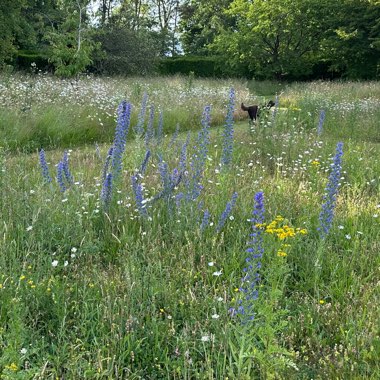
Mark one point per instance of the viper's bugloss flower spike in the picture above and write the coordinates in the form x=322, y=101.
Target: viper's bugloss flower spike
x=329, y=199
x=121, y=132
x=322, y=116
x=106, y=193
x=226, y=213
x=251, y=274
x=60, y=179
x=228, y=133
x=44, y=167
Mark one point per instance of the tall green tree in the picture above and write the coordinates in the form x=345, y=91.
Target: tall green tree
x=201, y=22
x=277, y=38
x=352, y=45
x=71, y=42
x=10, y=12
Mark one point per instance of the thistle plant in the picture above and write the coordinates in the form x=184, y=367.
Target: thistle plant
x=329, y=199
x=228, y=133
x=44, y=167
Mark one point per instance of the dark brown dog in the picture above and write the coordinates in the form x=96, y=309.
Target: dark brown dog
x=254, y=111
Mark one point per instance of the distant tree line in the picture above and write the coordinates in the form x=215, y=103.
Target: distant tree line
x=282, y=39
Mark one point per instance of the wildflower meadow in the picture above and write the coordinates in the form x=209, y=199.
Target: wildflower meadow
x=149, y=230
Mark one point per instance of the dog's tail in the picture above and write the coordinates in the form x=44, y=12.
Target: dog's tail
x=243, y=107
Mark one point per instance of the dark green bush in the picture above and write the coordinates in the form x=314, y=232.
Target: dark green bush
x=200, y=66
x=24, y=60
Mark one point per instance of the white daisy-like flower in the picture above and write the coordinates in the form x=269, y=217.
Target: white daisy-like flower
x=215, y=316
x=29, y=228
x=205, y=338
x=54, y=263
x=217, y=273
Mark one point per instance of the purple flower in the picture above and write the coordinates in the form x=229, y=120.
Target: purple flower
x=327, y=214
x=226, y=213
x=228, y=133
x=44, y=167
x=122, y=127
x=106, y=193
x=251, y=275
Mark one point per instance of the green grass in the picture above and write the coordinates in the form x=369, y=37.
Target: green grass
x=94, y=293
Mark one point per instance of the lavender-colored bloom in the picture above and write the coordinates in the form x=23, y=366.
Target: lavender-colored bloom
x=149, y=134
x=178, y=199
x=251, y=278
x=205, y=220
x=145, y=162
x=44, y=167
x=122, y=127
x=199, y=158
x=107, y=163
x=321, y=121
x=327, y=214
x=139, y=198
x=228, y=133
x=60, y=179
x=66, y=169
x=174, y=137
x=226, y=213
x=160, y=129
x=139, y=128
x=106, y=193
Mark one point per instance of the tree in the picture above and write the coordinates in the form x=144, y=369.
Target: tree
x=10, y=12
x=352, y=45
x=71, y=43
x=274, y=38
x=201, y=22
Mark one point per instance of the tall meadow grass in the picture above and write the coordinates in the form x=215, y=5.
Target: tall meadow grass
x=178, y=263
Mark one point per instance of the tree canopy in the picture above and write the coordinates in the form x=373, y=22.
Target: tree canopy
x=283, y=39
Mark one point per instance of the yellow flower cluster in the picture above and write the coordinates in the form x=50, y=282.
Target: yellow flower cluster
x=281, y=231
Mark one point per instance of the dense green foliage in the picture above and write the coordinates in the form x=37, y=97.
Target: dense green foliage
x=90, y=290
x=281, y=39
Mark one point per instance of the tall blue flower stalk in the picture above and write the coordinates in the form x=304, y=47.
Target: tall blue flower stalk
x=107, y=163
x=106, y=193
x=60, y=177
x=44, y=167
x=228, y=133
x=199, y=158
x=139, y=197
x=121, y=132
x=145, y=162
x=251, y=275
x=329, y=199
x=149, y=134
x=160, y=128
x=139, y=128
x=322, y=116
x=227, y=212
x=205, y=220
x=66, y=169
